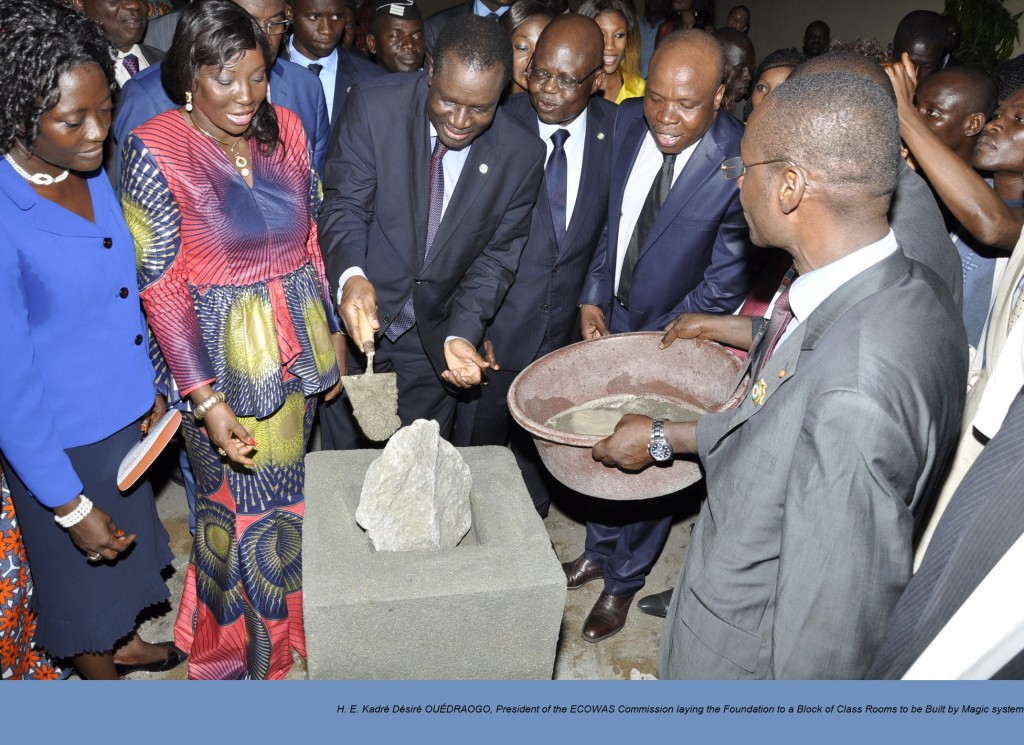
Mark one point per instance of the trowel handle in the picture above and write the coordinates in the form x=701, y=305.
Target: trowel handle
x=366, y=333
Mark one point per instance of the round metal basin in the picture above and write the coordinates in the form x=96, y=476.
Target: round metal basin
x=697, y=373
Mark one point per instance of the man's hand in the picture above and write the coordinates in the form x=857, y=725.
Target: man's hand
x=626, y=448
x=736, y=331
x=465, y=365
x=489, y=355
x=358, y=293
x=592, y=324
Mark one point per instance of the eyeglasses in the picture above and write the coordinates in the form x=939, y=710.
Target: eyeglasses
x=565, y=82
x=733, y=168
x=275, y=28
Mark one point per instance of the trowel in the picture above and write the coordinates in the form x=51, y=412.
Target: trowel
x=374, y=397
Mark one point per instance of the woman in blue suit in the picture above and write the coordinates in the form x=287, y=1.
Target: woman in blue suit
x=76, y=382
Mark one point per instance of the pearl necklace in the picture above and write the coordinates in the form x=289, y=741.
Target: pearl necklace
x=39, y=179
x=241, y=163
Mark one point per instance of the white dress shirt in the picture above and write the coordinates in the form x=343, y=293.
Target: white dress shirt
x=121, y=72
x=573, y=148
x=645, y=169
x=328, y=75
x=812, y=289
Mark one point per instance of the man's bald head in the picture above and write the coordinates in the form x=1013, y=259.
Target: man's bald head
x=841, y=128
x=922, y=35
x=739, y=61
x=567, y=67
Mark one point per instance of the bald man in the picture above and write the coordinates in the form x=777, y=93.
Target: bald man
x=660, y=256
x=923, y=36
x=817, y=478
x=739, y=67
x=540, y=314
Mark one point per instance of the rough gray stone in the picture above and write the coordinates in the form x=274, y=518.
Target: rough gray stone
x=416, y=494
x=491, y=608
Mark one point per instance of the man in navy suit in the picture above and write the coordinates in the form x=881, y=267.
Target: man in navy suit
x=540, y=312
x=315, y=44
x=428, y=194
x=675, y=241
x=292, y=87
x=491, y=9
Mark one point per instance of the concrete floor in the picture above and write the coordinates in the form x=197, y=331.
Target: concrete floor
x=635, y=647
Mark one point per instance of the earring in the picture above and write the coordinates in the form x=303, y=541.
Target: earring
x=188, y=101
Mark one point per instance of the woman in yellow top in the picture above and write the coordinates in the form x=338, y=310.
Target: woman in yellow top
x=621, y=60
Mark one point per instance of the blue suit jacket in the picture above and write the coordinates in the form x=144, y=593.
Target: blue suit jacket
x=291, y=86
x=76, y=364
x=540, y=312
x=697, y=257
x=376, y=204
x=353, y=69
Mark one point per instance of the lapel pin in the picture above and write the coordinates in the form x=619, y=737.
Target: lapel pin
x=759, y=391
x=782, y=374
x=483, y=168
x=600, y=135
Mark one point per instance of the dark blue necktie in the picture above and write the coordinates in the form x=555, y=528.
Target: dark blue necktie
x=407, y=315
x=555, y=177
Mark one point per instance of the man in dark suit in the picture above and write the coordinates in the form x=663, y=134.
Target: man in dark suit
x=675, y=241
x=125, y=22
x=983, y=521
x=540, y=312
x=492, y=9
x=290, y=86
x=428, y=194
x=819, y=473
x=315, y=44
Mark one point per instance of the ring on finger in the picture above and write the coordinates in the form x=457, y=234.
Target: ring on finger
x=94, y=557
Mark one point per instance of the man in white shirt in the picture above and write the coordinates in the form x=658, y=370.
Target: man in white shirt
x=125, y=22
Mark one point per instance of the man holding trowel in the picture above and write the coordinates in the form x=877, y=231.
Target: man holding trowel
x=427, y=202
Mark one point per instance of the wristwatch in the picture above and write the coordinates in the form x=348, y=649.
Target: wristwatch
x=658, y=447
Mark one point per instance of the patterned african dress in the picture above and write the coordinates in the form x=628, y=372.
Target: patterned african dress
x=233, y=284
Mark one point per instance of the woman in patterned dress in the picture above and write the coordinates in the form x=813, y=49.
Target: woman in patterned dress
x=221, y=200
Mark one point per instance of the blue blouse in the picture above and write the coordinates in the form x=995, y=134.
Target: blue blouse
x=75, y=366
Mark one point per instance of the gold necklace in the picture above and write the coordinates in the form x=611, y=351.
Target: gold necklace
x=241, y=163
x=39, y=179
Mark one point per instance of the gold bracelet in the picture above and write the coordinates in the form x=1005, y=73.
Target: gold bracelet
x=203, y=409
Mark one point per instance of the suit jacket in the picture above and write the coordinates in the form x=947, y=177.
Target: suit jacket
x=984, y=520
x=111, y=148
x=291, y=86
x=376, y=204
x=433, y=25
x=540, y=312
x=353, y=69
x=804, y=543
x=160, y=30
x=697, y=257
x=916, y=220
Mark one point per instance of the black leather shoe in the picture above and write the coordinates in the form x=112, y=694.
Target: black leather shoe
x=607, y=617
x=581, y=571
x=174, y=658
x=656, y=604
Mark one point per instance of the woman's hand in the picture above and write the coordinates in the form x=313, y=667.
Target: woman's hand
x=158, y=410
x=227, y=434
x=96, y=535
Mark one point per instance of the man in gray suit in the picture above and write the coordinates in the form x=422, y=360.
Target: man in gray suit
x=817, y=476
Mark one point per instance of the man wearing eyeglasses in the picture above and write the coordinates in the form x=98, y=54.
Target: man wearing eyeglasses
x=675, y=241
x=291, y=86
x=819, y=474
x=540, y=312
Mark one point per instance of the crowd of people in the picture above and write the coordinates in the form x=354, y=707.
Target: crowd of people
x=199, y=212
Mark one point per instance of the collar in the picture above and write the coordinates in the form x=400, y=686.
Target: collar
x=577, y=128
x=136, y=50
x=479, y=9
x=812, y=289
x=330, y=62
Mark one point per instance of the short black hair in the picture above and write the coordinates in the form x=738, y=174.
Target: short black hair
x=841, y=126
x=977, y=87
x=42, y=40
x=850, y=62
x=216, y=32
x=478, y=43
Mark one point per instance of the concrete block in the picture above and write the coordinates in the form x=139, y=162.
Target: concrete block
x=490, y=608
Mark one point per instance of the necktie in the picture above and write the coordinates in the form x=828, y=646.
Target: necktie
x=652, y=206
x=772, y=274
x=316, y=67
x=407, y=315
x=555, y=176
x=780, y=319
x=131, y=64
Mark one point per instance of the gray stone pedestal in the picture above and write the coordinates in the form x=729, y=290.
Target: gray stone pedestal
x=488, y=609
